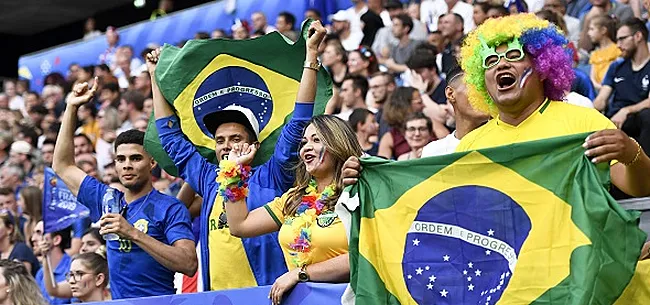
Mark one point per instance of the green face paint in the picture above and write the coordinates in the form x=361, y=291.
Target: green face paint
x=490, y=57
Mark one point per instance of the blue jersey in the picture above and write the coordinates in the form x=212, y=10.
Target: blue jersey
x=270, y=180
x=629, y=86
x=59, y=276
x=133, y=272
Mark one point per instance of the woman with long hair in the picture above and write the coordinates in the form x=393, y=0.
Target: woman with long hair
x=88, y=277
x=12, y=246
x=17, y=286
x=311, y=235
x=403, y=101
x=30, y=200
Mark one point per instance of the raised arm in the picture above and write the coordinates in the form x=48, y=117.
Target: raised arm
x=63, y=160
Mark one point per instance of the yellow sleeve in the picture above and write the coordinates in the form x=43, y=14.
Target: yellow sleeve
x=276, y=208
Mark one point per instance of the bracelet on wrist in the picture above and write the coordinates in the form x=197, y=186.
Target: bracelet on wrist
x=636, y=156
x=233, y=180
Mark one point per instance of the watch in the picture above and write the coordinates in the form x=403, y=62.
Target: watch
x=314, y=65
x=302, y=274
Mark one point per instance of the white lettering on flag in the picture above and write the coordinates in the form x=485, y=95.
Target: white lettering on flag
x=232, y=89
x=468, y=236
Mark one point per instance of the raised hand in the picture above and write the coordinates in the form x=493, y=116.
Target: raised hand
x=81, y=94
x=152, y=61
x=316, y=34
x=243, y=153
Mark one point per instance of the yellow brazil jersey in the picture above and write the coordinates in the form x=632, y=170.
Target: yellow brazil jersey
x=235, y=270
x=328, y=238
x=551, y=119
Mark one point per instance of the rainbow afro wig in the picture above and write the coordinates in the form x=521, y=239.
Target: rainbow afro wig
x=541, y=40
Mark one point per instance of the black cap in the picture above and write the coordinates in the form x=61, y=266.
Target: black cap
x=393, y=4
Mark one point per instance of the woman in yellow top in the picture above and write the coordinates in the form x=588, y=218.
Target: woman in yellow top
x=311, y=235
x=602, y=32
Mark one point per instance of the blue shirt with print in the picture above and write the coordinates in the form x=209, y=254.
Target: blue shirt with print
x=133, y=272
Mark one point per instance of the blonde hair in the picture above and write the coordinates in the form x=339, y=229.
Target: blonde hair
x=341, y=143
x=96, y=262
x=22, y=287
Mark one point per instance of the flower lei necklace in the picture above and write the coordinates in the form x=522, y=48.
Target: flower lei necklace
x=310, y=208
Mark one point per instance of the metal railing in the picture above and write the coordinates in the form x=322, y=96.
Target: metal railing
x=642, y=205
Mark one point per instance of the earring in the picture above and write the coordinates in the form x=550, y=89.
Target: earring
x=8, y=290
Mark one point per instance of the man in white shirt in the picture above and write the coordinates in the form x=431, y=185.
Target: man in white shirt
x=431, y=10
x=260, y=23
x=384, y=37
x=341, y=26
x=467, y=119
x=354, y=15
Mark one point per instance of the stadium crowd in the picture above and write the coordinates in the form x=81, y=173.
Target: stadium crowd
x=397, y=83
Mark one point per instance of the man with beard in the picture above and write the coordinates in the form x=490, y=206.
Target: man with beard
x=628, y=80
x=156, y=238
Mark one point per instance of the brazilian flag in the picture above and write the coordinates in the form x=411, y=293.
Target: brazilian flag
x=262, y=74
x=528, y=223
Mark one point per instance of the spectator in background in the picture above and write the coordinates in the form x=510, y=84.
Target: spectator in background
x=91, y=241
x=110, y=95
x=17, y=286
x=88, y=277
x=353, y=94
x=480, y=10
x=130, y=109
x=425, y=77
x=112, y=40
x=36, y=115
x=6, y=139
x=102, y=71
x=628, y=80
x=73, y=69
x=404, y=101
x=334, y=59
x=363, y=123
x=90, y=31
x=341, y=27
x=200, y=35
x=386, y=39
x=451, y=27
x=16, y=101
x=143, y=84
x=218, y=33
x=4, y=101
x=572, y=23
x=602, y=33
x=11, y=176
x=418, y=131
x=314, y=14
x=466, y=118
x=12, y=246
x=52, y=245
x=32, y=99
x=260, y=24
x=53, y=99
x=285, y=23
x=622, y=12
x=47, y=149
x=147, y=106
x=9, y=203
x=90, y=127
x=496, y=11
x=395, y=58
x=381, y=86
x=432, y=10
x=362, y=62
x=240, y=30
x=30, y=201
x=82, y=145
x=21, y=155
x=108, y=124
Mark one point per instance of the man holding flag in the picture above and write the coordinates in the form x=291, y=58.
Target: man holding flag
x=155, y=237
x=227, y=261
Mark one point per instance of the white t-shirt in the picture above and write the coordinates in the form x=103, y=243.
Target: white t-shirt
x=355, y=19
x=578, y=100
x=352, y=42
x=444, y=146
x=431, y=10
